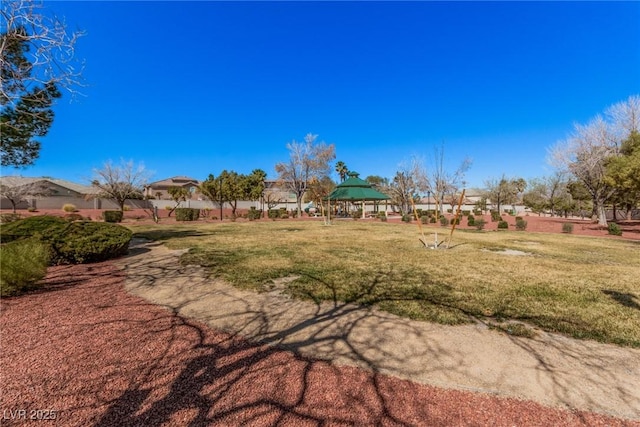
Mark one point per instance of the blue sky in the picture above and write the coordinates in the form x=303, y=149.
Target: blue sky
x=191, y=88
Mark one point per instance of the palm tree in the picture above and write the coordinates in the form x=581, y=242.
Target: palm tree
x=342, y=170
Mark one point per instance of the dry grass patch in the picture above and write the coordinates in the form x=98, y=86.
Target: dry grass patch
x=581, y=286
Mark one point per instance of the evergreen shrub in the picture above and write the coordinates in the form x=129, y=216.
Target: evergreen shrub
x=112, y=216
x=614, y=229
x=521, y=224
x=187, y=214
x=254, y=213
x=480, y=223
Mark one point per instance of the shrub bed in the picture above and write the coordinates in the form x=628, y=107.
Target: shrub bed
x=85, y=242
x=187, y=214
x=71, y=242
x=503, y=225
x=112, y=216
x=567, y=228
x=254, y=214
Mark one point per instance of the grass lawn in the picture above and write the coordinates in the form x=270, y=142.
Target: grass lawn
x=584, y=287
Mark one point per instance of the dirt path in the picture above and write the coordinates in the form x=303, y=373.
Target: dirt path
x=550, y=369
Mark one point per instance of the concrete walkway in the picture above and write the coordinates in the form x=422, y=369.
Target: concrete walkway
x=550, y=369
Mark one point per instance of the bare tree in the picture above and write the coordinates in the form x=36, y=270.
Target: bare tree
x=547, y=193
x=50, y=54
x=590, y=148
x=37, y=62
x=440, y=181
x=624, y=118
x=273, y=197
x=307, y=160
x=584, y=154
x=403, y=188
x=121, y=182
x=16, y=191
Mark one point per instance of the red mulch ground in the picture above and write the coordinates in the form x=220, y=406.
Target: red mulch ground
x=630, y=229
x=96, y=355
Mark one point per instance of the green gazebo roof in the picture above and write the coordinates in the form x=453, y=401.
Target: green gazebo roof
x=354, y=189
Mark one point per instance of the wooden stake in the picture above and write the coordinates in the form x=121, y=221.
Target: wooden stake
x=455, y=218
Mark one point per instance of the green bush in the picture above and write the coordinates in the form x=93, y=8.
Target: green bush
x=406, y=218
x=518, y=218
x=187, y=214
x=444, y=221
x=22, y=265
x=495, y=216
x=112, y=216
x=424, y=219
x=71, y=242
x=254, y=214
x=521, y=224
x=284, y=215
x=456, y=220
x=31, y=209
x=466, y=212
x=85, y=242
x=471, y=221
x=480, y=223
x=567, y=227
x=614, y=229
x=503, y=225
x=6, y=218
x=432, y=220
x=273, y=213
x=44, y=226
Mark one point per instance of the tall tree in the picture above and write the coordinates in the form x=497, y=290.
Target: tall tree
x=590, y=148
x=623, y=172
x=120, y=182
x=342, y=170
x=233, y=189
x=584, y=154
x=546, y=193
x=14, y=190
x=307, y=160
x=377, y=181
x=253, y=185
x=211, y=189
x=503, y=191
x=37, y=60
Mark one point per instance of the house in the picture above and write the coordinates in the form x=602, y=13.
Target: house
x=159, y=190
x=51, y=193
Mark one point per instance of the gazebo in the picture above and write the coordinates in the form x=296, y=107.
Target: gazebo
x=354, y=189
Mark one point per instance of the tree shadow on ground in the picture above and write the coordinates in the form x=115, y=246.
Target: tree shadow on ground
x=625, y=299
x=352, y=333
x=120, y=361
